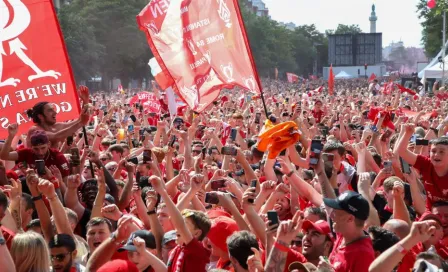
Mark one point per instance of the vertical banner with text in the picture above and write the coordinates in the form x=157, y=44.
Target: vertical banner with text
x=202, y=45
x=34, y=65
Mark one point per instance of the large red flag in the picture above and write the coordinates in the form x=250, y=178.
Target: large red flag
x=292, y=77
x=331, y=81
x=405, y=90
x=34, y=65
x=202, y=46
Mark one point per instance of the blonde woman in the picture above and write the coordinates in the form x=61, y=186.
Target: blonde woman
x=30, y=253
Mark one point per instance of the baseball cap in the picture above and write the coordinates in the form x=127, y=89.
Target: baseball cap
x=350, y=202
x=308, y=267
x=321, y=226
x=118, y=266
x=147, y=236
x=168, y=237
x=430, y=216
x=222, y=227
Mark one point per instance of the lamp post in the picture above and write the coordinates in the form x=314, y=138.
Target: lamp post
x=365, y=70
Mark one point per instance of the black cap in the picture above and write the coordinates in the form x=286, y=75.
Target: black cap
x=351, y=202
x=62, y=240
x=147, y=236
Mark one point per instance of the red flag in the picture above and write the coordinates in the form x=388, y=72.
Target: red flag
x=202, y=46
x=405, y=90
x=292, y=77
x=431, y=4
x=164, y=81
x=331, y=81
x=34, y=65
x=149, y=101
x=372, y=77
x=388, y=87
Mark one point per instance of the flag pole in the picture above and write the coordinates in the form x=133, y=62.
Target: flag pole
x=86, y=142
x=443, y=46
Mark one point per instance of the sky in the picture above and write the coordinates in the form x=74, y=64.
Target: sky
x=397, y=19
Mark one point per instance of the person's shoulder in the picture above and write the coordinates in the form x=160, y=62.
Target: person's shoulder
x=196, y=247
x=422, y=162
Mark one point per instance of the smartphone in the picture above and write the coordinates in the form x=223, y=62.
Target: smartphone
x=421, y=142
x=131, y=128
x=76, y=158
x=386, y=135
x=204, y=150
x=133, y=160
x=211, y=198
x=316, y=149
x=147, y=156
x=273, y=217
x=40, y=167
x=392, y=116
x=233, y=134
x=133, y=118
x=413, y=138
x=137, y=179
x=325, y=132
x=388, y=166
x=216, y=184
x=405, y=167
x=257, y=118
x=228, y=150
x=172, y=141
x=69, y=140
x=253, y=184
x=135, y=143
x=25, y=164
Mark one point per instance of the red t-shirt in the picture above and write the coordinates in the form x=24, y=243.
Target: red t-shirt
x=435, y=186
x=354, y=257
x=317, y=115
x=54, y=157
x=189, y=258
x=407, y=263
x=441, y=250
x=8, y=235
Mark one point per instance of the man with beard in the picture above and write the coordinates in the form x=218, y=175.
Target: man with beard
x=317, y=241
x=44, y=118
x=62, y=254
x=40, y=150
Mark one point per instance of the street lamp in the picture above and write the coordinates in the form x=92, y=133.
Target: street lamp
x=365, y=70
x=315, y=45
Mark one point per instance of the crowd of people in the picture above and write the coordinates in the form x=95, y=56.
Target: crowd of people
x=353, y=181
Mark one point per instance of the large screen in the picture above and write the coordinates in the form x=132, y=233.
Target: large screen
x=355, y=49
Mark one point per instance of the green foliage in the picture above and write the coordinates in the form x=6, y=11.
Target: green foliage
x=121, y=51
x=432, y=23
x=348, y=29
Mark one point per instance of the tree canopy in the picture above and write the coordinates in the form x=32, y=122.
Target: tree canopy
x=432, y=23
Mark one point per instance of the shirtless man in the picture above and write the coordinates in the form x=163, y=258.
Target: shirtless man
x=44, y=118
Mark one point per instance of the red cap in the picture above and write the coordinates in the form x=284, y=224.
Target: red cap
x=12, y=175
x=321, y=226
x=428, y=216
x=118, y=266
x=222, y=228
x=215, y=213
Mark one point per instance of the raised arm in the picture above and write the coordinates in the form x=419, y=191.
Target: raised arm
x=402, y=147
x=4, y=153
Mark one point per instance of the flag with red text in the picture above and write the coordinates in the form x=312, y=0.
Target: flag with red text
x=202, y=46
x=34, y=65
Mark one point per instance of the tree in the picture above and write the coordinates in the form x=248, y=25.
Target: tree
x=83, y=49
x=348, y=29
x=432, y=23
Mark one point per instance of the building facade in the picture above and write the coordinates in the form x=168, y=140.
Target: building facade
x=258, y=7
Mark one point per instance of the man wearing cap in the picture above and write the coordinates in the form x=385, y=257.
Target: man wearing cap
x=168, y=243
x=63, y=253
x=40, y=150
x=353, y=250
x=434, y=240
x=317, y=240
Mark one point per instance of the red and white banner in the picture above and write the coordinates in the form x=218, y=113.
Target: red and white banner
x=148, y=100
x=164, y=81
x=292, y=78
x=34, y=65
x=202, y=46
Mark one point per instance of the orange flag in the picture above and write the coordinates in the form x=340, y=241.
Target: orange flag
x=331, y=81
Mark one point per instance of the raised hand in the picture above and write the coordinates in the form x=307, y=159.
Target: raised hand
x=422, y=231
x=74, y=181
x=254, y=261
x=151, y=200
x=14, y=190
x=32, y=180
x=46, y=188
x=111, y=212
x=56, y=172
x=288, y=230
x=398, y=189
x=197, y=182
x=157, y=184
x=12, y=130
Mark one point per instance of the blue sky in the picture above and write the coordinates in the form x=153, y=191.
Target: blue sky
x=397, y=19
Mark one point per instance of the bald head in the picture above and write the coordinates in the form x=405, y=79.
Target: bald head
x=398, y=226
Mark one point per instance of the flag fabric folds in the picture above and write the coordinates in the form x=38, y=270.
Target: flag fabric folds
x=202, y=46
x=331, y=81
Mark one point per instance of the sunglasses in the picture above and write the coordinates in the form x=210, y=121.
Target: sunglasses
x=296, y=243
x=59, y=257
x=196, y=151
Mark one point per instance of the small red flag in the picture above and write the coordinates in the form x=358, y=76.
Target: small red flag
x=405, y=90
x=292, y=77
x=331, y=81
x=372, y=77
